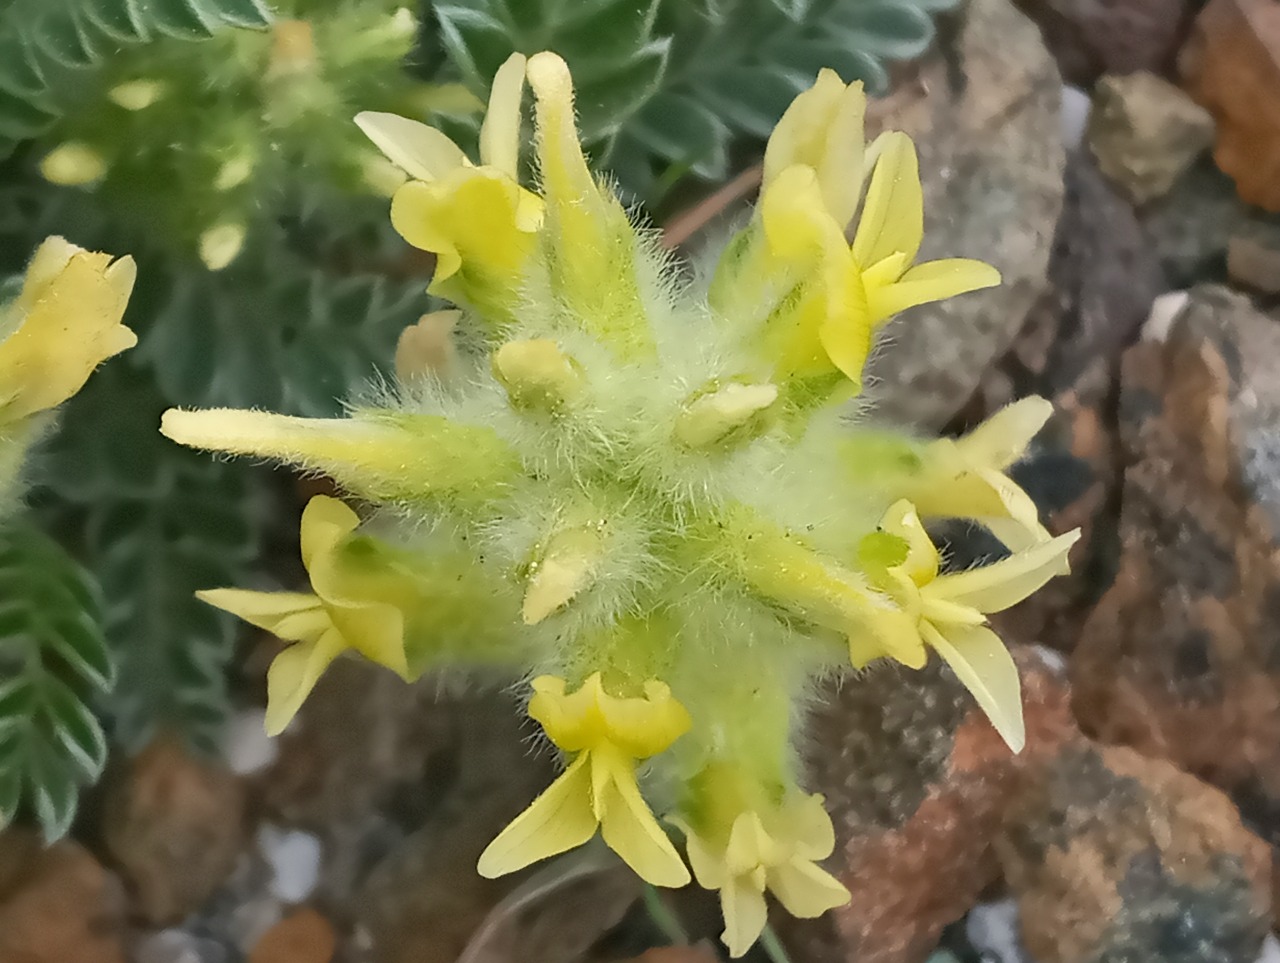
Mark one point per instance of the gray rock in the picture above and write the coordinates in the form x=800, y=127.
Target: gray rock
x=989, y=134
x=992, y=929
x=1253, y=252
x=1191, y=225
x=1145, y=132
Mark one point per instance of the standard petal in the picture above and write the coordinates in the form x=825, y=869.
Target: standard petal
x=892, y=219
x=805, y=889
x=500, y=132
x=808, y=826
x=983, y=664
x=422, y=152
x=630, y=829
x=558, y=820
x=931, y=281
x=292, y=616
x=293, y=674
x=995, y=587
x=745, y=914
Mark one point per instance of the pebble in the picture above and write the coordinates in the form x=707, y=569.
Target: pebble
x=1076, y=107
x=246, y=747
x=992, y=928
x=294, y=857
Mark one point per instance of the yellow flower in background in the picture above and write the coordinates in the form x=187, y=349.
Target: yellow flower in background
x=967, y=478
x=321, y=624
x=951, y=611
x=63, y=324
x=599, y=789
x=478, y=221
x=775, y=850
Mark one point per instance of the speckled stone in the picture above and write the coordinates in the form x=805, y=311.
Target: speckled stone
x=987, y=127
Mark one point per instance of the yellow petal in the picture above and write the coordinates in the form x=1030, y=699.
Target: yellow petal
x=750, y=846
x=294, y=673
x=745, y=914
x=590, y=717
x=806, y=890
x=892, y=219
x=421, y=151
x=500, y=132
x=995, y=587
x=823, y=129
x=1003, y=438
x=846, y=329
x=560, y=819
x=808, y=826
x=564, y=170
x=982, y=663
x=931, y=281
x=292, y=616
x=631, y=831
x=708, y=866
x=474, y=218
x=325, y=522
x=901, y=520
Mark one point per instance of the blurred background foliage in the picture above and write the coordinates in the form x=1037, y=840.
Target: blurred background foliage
x=211, y=140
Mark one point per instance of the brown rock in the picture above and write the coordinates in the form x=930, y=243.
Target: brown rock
x=1232, y=66
x=1092, y=37
x=303, y=937
x=173, y=827
x=1145, y=132
x=424, y=901
x=57, y=905
x=1181, y=657
x=1104, y=276
x=1113, y=856
x=991, y=160
x=917, y=782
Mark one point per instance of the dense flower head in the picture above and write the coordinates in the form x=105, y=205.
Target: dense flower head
x=643, y=492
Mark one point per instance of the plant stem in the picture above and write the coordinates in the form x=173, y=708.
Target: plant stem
x=772, y=946
x=663, y=918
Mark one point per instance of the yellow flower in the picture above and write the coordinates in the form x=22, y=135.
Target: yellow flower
x=599, y=788
x=478, y=221
x=951, y=611
x=63, y=324
x=775, y=850
x=826, y=297
x=321, y=625
x=966, y=477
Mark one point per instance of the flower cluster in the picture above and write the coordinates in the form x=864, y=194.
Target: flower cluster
x=642, y=493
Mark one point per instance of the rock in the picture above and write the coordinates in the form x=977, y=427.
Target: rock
x=1104, y=278
x=303, y=937
x=294, y=857
x=422, y=900
x=177, y=946
x=172, y=825
x=246, y=746
x=1091, y=37
x=57, y=905
x=1253, y=253
x=1232, y=65
x=1191, y=225
x=1113, y=856
x=991, y=159
x=1076, y=108
x=917, y=783
x=1181, y=657
x=1145, y=132
x=992, y=929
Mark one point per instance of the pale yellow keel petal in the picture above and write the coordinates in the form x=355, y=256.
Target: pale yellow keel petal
x=806, y=890
x=742, y=904
x=996, y=587
x=420, y=151
x=630, y=829
x=294, y=673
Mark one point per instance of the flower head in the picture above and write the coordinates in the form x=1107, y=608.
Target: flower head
x=478, y=221
x=599, y=789
x=951, y=610
x=774, y=847
x=322, y=624
x=63, y=324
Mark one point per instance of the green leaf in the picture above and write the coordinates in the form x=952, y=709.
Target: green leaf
x=54, y=662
